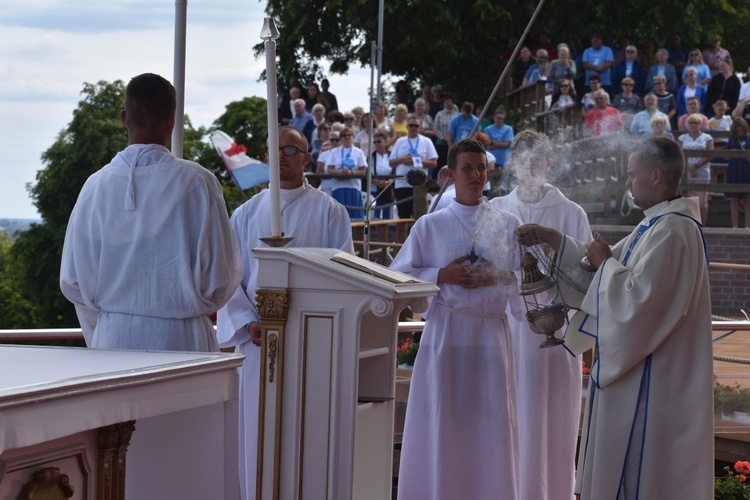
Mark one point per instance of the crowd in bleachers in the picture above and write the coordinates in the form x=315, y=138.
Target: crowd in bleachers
x=651, y=92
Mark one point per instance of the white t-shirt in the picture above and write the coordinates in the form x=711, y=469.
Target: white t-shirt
x=351, y=158
x=420, y=146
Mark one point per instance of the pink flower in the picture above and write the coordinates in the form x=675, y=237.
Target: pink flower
x=741, y=478
x=742, y=467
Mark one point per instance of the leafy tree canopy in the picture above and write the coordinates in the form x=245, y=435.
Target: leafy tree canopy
x=459, y=43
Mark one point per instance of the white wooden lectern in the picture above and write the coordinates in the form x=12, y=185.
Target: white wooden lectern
x=328, y=372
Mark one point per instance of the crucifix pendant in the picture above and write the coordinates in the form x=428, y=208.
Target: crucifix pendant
x=473, y=258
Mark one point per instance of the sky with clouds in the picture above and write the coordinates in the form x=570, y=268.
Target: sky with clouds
x=52, y=47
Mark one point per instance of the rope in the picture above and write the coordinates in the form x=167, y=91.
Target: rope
x=729, y=359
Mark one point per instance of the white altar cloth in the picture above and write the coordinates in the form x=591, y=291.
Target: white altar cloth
x=51, y=392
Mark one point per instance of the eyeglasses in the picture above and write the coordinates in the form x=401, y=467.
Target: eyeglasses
x=333, y=139
x=290, y=150
x=413, y=125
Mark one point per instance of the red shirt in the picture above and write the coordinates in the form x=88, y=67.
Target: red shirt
x=606, y=121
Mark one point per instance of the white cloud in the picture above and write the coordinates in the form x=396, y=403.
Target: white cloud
x=51, y=47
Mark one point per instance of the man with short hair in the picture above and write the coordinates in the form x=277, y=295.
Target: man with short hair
x=302, y=120
x=313, y=219
x=642, y=120
x=149, y=253
x=500, y=136
x=603, y=119
x=679, y=56
x=332, y=101
x=460, y=435
x=461, y=125
x=647, y=312
x=549, y=380
x=442, y=123
x=598, y=59
x=413, y=151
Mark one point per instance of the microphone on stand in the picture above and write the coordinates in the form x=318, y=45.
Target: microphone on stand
x=415, y=177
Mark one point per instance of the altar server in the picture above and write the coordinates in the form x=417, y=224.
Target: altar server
x=649, y=413
x=460, y=438
x=549, y=380
x=149, y=252
x=313, y=219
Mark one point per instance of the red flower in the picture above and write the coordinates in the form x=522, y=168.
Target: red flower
x=742, y=467
x=741, y=478
x=728, y=388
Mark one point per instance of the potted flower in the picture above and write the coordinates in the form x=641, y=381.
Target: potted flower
x=735, y=485
x=731, y=400
x=406, y=353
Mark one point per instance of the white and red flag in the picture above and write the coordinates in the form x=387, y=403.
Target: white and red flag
x=247, y=172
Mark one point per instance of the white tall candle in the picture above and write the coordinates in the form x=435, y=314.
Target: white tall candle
x=273, y=139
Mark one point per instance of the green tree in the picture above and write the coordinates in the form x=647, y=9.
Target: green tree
x=459, y=43
x=16, y=310
x=90, y=140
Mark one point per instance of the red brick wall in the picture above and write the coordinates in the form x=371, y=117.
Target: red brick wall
x=730, y=289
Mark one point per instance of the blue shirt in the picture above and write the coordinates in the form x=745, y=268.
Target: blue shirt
x=599, y=57
x=302, y=123
x=461, y=127
x=504, y=133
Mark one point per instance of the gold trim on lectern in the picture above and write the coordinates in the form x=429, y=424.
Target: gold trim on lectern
x=273, y=308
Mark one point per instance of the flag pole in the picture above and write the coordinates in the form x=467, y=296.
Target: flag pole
x=180, y=30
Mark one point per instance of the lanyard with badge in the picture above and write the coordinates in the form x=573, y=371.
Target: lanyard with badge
x=416, y=161
x=347, y=162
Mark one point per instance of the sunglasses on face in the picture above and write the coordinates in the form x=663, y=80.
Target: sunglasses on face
x=413, y=125
x=349, y=118
x=326, y=128
x=334, y=140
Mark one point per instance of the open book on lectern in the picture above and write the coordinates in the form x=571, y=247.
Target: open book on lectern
x=372, y=268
